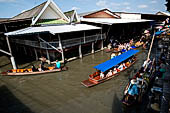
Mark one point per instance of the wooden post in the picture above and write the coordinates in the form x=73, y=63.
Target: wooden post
x=151, y=46
x=80, y=53
x=13, y=62
x=84, y=37
x=48, y=56
x=102, y=39
x=102, y=45
x=36, y=55
x=12, y=58
x=25, y=50
x=61, y=47
x=92, y=47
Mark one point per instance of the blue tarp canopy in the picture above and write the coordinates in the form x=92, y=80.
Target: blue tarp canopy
x=116, y=60
x=158, y=33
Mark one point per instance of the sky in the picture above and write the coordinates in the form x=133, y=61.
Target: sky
x=10, y=8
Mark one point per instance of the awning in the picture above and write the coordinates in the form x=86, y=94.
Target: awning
x=116, y=60
x=54, y=29
x=110, y=21
x=158, y=33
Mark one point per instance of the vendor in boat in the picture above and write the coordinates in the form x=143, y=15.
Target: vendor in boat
x=43, y=60
x=110, y=73
x=58, y=64
x=133, y=89
x=33, y=68
x=41, y=67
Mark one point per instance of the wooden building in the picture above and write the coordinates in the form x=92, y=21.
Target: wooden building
x=117, y=26
x=53, y=34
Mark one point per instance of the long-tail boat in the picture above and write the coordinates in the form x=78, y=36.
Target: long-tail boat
x=95, y=78
x=143, y=77
x=23, y=72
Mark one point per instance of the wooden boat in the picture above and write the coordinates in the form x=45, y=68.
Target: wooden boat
x=138, y=44
x=19, y=72
x=95, y=79
x=115, y=50
x=142, y=86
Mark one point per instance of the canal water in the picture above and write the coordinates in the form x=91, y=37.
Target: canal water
x=62, y=92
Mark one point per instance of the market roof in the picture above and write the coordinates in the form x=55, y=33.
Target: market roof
x=94, y=13
x=46, y=10
x=30, y=13
x=116, y=60
x=110, y=21
x=53, y=29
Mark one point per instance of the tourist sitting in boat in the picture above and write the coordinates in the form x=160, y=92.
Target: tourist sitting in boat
x=114, y=71
x=33, y=68
x=131, y=41
x=119, y=53
x=124, y=66
x=127, y=63
x=110, y=73
x=113, y=55
x=120, y=67
x=109, y=46
x=58, y=64
x=101, y=75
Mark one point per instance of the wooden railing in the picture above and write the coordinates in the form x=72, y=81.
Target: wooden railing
x=65, y=43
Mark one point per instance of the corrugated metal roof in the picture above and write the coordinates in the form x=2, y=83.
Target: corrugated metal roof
x=30, y=13
x=53, y=29
x=110, y=21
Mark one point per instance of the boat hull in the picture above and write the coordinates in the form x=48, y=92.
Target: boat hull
x=92, y=82
x=33, y=73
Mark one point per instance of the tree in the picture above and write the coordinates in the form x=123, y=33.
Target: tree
x=168, y=5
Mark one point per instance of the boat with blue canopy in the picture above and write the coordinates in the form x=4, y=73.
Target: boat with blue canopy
x=111, y=68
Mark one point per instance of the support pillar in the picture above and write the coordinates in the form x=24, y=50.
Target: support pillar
x=12, y=58
x=48, y=56
x=25, y=50
x=102, y=45
x=36, y=55
x=13, y=62
x=84, y=37
x=80, y=52
x=61, y=47
x=92, y=47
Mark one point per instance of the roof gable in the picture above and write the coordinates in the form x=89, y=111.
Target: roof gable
x=163, y=13
x=46, y=10
x=72, y=15
x=105, y=13
x=29, y=13
x=56, y=12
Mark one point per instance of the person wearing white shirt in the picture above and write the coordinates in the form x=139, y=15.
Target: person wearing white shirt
x=101, y=75
x=110, y=73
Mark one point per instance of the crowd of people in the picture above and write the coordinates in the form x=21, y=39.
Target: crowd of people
x=117, y=68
